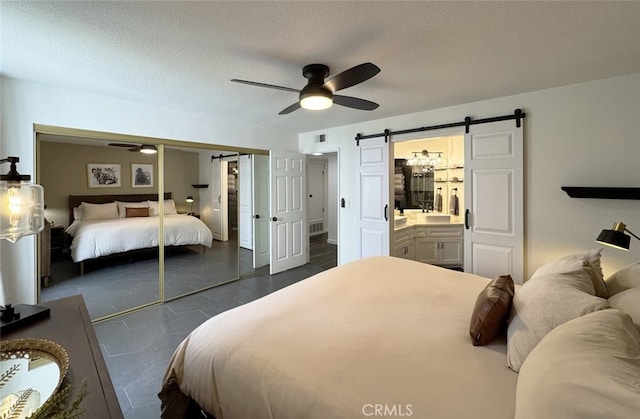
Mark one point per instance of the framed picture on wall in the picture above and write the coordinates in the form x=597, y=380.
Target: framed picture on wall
x=141, y=175
x=104, y=175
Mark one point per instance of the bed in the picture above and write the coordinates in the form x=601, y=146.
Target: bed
x=107, y=225
x=382, y=331
x=391, y=337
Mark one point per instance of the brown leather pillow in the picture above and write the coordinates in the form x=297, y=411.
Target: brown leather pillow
x=492, y=310
x=137, y=212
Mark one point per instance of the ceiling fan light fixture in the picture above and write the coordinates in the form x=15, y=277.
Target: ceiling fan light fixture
x=316, y=98
x=148, y=149
x=316, y=103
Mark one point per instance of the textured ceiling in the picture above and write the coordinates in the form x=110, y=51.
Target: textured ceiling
x=432, y=54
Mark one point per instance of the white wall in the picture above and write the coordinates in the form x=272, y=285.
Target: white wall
x=24, y=104
x=578, y=135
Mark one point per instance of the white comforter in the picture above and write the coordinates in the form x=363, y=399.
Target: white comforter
x=92, y=239
x=380, y=335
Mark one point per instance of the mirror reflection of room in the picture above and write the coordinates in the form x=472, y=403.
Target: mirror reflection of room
x=112, y=279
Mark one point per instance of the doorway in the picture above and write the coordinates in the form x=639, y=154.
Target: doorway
x=323, y=214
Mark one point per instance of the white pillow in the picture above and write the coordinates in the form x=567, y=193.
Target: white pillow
x=169, y=207
x=99, y=211
x=77, y=213
x=587, y=368
x=628, y=301
x=122, y=207
x=575, y=261
x=625, y=278
x=545, y=302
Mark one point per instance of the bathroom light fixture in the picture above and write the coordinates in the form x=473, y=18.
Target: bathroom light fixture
x=148, y=149
x=426, y=158
x=21, y=204
x=616, y=237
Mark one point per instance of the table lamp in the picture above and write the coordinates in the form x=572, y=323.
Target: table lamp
x=21, y=214
x=616, y=237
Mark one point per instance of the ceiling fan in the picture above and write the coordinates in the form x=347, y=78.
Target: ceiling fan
x=318, y=94
x=142, y=148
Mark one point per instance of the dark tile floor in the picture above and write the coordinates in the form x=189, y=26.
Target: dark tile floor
x=137, y=346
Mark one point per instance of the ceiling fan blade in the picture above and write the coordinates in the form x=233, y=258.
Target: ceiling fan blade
x=270, y=86
x=352, y=76
x=136, y=149
x=290, y=109
x=354, y=102
x=122, y=145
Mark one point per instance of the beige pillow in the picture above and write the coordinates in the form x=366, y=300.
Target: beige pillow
x=169, y=207
x=99, y=211
x=575, y=261
x=623, y=279
x=545, y=302
x=628, y=301
x=588, y=368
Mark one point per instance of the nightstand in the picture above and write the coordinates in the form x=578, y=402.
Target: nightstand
x=58, y=241
x=193, y=214
x=70, y=326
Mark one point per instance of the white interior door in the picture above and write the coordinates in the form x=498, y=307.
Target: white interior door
x=494, y=241
x=374, y=191
x=245, y=202
x=219, y=195
x=289, y=239
x=261, y=238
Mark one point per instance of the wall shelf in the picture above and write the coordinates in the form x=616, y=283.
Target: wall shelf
x=602, y=192
x=198, y=186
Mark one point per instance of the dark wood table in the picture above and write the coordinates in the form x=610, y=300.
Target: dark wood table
x=70, y=326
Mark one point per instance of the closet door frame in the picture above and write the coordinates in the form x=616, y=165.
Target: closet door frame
x=89, y=137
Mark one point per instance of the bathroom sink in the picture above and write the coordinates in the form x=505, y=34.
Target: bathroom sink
x=433, y=218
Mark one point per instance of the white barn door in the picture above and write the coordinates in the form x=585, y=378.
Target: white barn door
x=374, y=186
x=494, y=216
x=289, y=239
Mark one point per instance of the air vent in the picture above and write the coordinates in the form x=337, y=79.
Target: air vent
x=322, y=138
x=316, y=227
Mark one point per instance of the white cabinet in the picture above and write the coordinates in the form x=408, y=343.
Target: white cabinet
x=404, y=244
x=439, y=244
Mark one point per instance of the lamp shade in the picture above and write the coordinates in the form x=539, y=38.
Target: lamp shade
x=615, y=237
x=21, y=205
x=189, y=199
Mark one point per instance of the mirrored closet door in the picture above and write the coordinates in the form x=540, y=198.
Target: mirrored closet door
x=202, y=230
x=128, y=228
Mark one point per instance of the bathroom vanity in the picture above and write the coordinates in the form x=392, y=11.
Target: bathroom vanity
x=427, y=238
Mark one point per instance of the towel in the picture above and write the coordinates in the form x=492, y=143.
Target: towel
x=453, y=204
x=438, y=201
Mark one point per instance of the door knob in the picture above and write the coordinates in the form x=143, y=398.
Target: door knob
x=274, y=219
x=257, y=216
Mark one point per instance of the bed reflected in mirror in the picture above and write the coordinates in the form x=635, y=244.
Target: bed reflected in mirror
x=106, y=221
x=99, y=241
